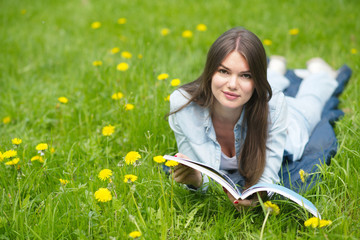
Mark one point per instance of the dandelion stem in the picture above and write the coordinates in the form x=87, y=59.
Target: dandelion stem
x=162, y=187
x=263, y=226
x=172, y=205
x=140, y=216
x=165, y=207
x=107, y=153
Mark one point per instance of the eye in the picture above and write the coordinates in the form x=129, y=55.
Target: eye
x=246, y=75
x=223, y=71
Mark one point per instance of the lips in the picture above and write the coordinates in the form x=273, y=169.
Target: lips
x=230, y=95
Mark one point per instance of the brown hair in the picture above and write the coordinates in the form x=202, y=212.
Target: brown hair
x=252, y=157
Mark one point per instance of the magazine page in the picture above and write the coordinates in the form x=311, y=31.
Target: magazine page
x=226, y=182
x=217, y=176
x=284, y=192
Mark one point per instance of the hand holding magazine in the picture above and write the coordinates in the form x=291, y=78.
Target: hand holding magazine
x=229, y=185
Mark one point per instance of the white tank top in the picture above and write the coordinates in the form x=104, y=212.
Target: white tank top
x=228, y=163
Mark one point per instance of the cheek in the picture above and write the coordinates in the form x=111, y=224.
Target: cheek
x=248, y=87
x=217, y=82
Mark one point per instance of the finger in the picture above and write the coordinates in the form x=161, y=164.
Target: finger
x=179, y=169
x=245, y=203
x=182, y=175
x=180, y=155
x=181, y=179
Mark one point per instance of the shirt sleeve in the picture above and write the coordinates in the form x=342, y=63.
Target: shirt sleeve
x=183, y=143
x=177, y=100
x=275, y=144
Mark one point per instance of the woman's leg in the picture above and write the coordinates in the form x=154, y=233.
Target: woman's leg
x=314, y=92
x=306, y=108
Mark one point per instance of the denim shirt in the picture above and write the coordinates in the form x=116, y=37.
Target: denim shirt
x=196, y=138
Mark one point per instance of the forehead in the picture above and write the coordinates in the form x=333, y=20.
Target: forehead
x=235, y=60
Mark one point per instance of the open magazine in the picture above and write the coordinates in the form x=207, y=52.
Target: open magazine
x=238, y=193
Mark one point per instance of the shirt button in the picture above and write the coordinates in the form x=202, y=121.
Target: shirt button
x=237, y=140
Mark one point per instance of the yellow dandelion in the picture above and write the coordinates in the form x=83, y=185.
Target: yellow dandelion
x=140, y=56
x=37, y=158
x=353, y=51
x=23, y=11
x=117, y=96
x=294, y=31
x=315, y=222
x=135, y=234
x=121, y=20
x=272, y=207
x=201, y=27
x=16, y=141
x=159, y=159
x=108, y=130
x=126, y=54
x=171, y=163
x=52, y=150
x=175, y=82
x=302, y=175
x=105, y=174
x=165, y=31
x=13, y=162
x=129, y=107
x=162, y=76
x=9, y=154
x=42, y=147
x=6, y=120
x=167, y=98
x=63, y=181
x=267, y=42
x=131, y=157
x=63, y=100
x=187, y=34
x=103, y=195
x=97, y=63
x=115, y=50
x=95, y=25
x=128, y=178
x=122, y=66
x=324, y=223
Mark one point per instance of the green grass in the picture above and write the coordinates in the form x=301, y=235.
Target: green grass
x=48, y=52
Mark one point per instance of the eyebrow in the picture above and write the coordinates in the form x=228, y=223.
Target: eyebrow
x=247, y=71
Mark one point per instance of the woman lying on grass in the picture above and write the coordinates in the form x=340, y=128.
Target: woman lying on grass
x=235, y=118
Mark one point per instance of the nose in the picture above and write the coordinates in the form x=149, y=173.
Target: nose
x=232, y=82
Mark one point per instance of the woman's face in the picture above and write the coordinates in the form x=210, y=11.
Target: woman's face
x=232, y=84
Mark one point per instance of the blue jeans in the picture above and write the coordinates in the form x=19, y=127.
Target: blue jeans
x=322, y=143
x=304, y=110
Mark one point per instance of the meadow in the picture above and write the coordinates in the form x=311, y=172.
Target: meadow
x=80, y=90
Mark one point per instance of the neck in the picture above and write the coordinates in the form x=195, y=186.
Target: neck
x=225, y=115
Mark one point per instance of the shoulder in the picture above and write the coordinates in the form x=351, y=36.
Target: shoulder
x=178, y=99
x=192, y=111
x=191, y=119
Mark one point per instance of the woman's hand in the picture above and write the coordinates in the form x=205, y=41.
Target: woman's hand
x=242, y=204
x=186, y=175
